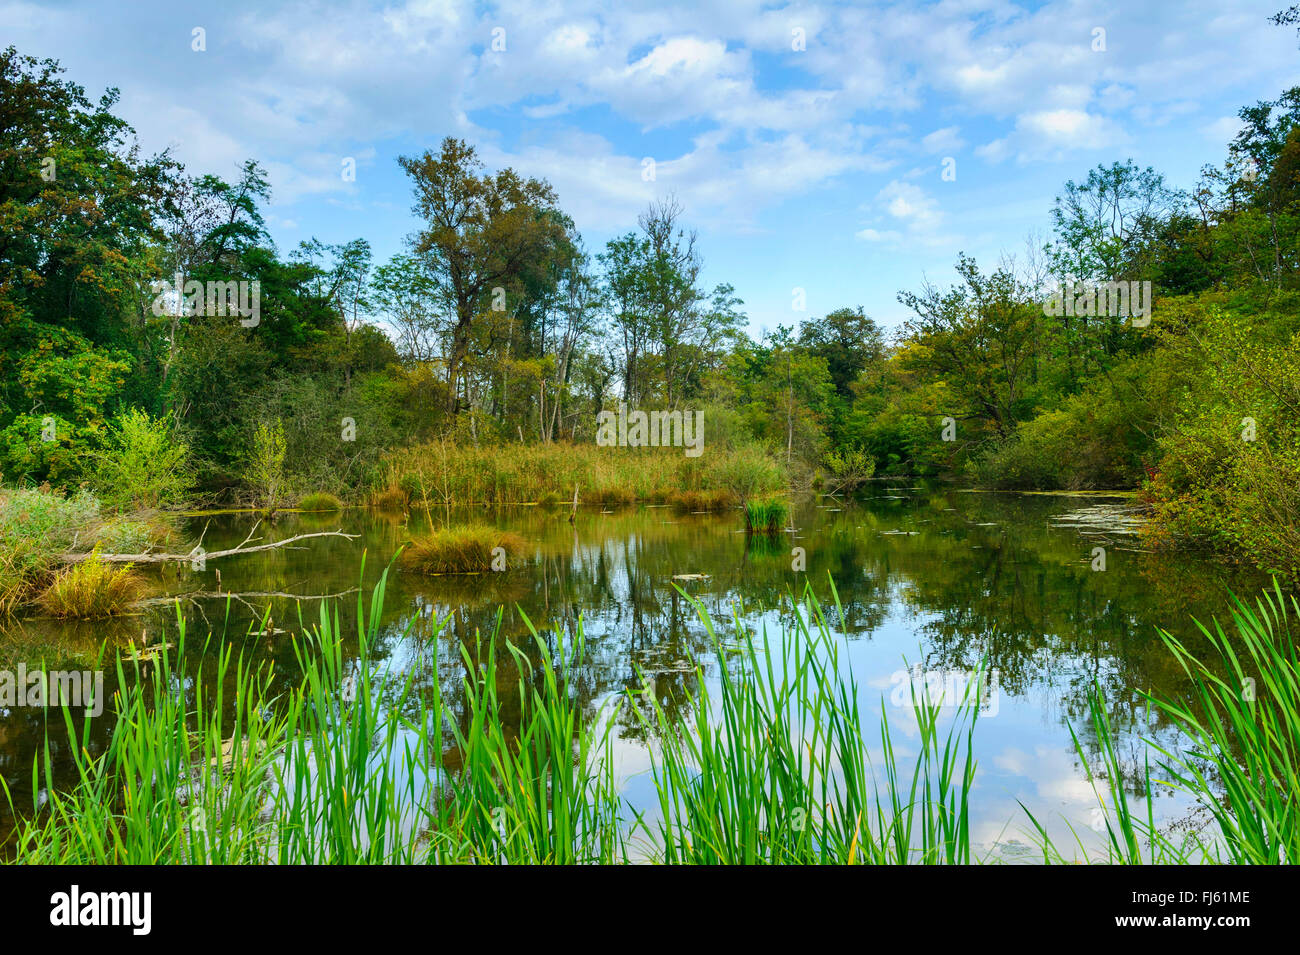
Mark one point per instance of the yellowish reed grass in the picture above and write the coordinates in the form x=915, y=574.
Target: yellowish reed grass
x=92, y=589
x=467, y=549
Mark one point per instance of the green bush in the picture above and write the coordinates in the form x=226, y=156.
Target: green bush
x=144, y=464
x=266, y=476
x=45, y=448
x=1095, y=439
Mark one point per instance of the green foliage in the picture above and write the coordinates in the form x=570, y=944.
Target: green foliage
x=1097, y=439
x=264, y=471
x=44, y=448
x=144, y=464
x=1228, y=475
x=849, y=467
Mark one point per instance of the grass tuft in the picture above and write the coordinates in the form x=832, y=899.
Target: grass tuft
x=92, y=589
x=320, y=501
x=468, y=549
x=765, y=515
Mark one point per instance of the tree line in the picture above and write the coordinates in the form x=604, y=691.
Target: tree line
x=497, y=324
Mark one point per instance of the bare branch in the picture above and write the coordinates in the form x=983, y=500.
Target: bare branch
x=148, y=558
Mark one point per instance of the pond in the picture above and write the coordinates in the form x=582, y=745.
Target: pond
x=931, y=577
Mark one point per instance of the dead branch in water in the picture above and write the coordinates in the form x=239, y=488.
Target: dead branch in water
x=155, y=558
x=241, y=596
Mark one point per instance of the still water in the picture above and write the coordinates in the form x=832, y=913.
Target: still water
x=938, y=578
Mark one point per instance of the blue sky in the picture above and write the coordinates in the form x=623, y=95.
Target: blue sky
x=818, y=168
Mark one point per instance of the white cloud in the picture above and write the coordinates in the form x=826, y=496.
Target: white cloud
x=1223, y=130
x=916, y=218
x=943, y=141
x=299, y=85
x=1054, y=134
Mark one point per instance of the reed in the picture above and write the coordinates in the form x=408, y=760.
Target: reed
x=319, y=501
x=349, y=767
x=361, y=763
x=604, y=475
x=766, y=515
x=777, y=771
x=390, y=499
x=1237, y=754
x=91, y=589
x=465, y=549
x=694, y=501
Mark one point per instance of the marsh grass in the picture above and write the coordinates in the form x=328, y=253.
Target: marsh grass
x=36, y=527
x=766, y=515
x=463, y=549
x=91, y=589
x=603, y=475
x=1237, y=755
x=360, y=762
x=717, y=499
x=390, y=499
x=39, y=526
x=319, y=501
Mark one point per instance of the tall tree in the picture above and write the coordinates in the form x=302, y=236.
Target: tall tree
x=481, y=232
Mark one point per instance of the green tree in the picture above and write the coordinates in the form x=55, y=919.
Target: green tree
x=480, y=232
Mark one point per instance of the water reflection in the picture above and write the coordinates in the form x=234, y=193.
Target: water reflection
x=940, y=578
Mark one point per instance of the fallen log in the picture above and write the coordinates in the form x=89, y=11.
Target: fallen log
x=149, y=557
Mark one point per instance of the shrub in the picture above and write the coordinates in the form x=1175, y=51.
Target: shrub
x=459, y=550
x=266, y=474
x=849, y=467
x=144, y=465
